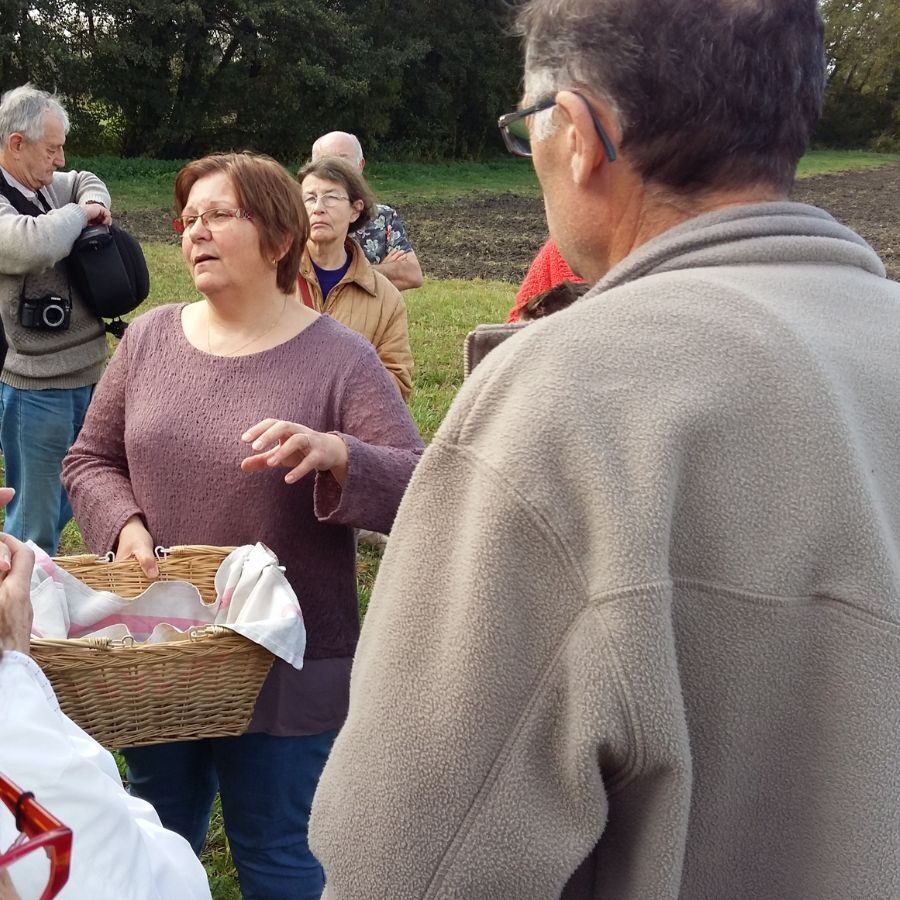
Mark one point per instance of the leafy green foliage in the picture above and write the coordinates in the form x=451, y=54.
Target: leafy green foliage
x=178, y=78
x=862, y=103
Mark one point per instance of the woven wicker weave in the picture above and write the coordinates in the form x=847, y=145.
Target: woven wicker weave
x=137, y=694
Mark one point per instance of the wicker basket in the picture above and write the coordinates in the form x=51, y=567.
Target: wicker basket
x=126, y=694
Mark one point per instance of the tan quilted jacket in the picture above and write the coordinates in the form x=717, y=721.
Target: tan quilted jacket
x=367, y=302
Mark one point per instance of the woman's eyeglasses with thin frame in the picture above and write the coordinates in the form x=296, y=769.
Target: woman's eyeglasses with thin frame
x=38, y=830
x=514, y=127
x=213, y=219
x=329, y=201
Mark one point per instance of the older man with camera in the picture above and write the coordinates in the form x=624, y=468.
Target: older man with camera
x=638, y=631
x=57, y=345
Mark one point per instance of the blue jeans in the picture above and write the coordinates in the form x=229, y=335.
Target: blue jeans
x=267, y=785
x=36, y=430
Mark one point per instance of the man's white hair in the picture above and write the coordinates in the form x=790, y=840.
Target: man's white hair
x=22, y=110
x=354, y=140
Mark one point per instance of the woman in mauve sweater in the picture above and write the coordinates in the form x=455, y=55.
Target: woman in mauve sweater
x=165, y=457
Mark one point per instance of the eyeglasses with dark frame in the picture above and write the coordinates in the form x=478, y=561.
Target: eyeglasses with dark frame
x=514, y=127
x=213, y=219
x=38, y=830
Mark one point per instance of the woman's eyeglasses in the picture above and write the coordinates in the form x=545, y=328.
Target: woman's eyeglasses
x=213, y=219
x=38, y=831
x=329, y=201
x=514, y=128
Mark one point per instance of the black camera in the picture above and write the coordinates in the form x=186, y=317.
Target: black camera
x=50, y=313
x=93, y=238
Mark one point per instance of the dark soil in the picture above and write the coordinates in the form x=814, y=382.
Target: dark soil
x=495, y=236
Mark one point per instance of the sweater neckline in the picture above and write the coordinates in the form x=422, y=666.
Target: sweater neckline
x=181, y=338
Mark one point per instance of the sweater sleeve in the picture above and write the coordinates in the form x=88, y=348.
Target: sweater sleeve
x=88, y=187
x=95, y=470
x=120, y=848
x=34, y=243
x=383, y=446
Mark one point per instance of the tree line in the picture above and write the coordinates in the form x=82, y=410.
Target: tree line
x=424, y=78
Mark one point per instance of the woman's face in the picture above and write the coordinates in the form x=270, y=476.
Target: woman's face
x=329, y=209
x=223, y=254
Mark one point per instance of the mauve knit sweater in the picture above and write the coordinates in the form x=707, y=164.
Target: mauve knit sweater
x=162, y=439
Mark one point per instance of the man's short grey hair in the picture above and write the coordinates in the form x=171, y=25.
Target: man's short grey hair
x=22, y=110
x=707, y=93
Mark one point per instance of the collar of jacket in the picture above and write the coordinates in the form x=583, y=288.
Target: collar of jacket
x=360, y=271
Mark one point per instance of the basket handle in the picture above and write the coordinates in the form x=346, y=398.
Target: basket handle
x=105, y=643
x=198, y=632
x=159, y=552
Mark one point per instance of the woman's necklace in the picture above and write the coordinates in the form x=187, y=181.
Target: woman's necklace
x=252, y=340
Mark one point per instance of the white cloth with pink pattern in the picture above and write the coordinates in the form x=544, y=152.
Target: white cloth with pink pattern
x=253, y=598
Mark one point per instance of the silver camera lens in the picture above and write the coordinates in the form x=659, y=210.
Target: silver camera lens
x=53, y=315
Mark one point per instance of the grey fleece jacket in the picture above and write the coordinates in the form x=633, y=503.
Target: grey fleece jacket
x=637, y=630
x=32, y=258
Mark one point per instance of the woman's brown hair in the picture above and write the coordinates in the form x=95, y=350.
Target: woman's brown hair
x=266, y=191
x=344, y=173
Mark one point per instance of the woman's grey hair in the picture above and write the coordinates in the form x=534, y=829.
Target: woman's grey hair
x=344, y=173
x=708, y=94
x=22, y=110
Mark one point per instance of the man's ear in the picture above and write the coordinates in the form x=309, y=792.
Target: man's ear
x=14, y=141
x=586, y=149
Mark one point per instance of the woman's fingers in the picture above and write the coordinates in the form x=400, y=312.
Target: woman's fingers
x=252, y=433
x=295, y=446
x=277, y=443
x=15, y=597
x=136, y=543
x=146, y=559
x=19, y=557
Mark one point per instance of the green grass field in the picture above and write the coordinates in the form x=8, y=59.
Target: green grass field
x=440, y=315
x=147, y=183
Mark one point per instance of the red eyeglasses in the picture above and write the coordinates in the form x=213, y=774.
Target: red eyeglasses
x=39, y=830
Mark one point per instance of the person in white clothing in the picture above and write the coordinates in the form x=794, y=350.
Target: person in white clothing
x=119, y=848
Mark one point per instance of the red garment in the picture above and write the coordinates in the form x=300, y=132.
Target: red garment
x=547, y=269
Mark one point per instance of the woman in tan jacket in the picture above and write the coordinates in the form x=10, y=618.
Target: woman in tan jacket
x=335, y=276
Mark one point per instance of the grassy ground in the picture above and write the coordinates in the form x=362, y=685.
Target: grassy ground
x=145, y=183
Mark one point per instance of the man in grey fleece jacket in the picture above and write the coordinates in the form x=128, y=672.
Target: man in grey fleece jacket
x=49, y=372
x=659, y=655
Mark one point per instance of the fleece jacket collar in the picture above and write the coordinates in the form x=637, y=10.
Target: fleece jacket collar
x=744, y=235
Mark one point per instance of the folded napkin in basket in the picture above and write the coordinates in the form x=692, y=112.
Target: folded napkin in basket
x=253, y=599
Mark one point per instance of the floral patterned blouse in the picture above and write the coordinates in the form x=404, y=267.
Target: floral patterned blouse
x=384, y=233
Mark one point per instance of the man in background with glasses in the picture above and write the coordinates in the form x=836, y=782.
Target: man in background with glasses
x=637, y=634
x=65, y=819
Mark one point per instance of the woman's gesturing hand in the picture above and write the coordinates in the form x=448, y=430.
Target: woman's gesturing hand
x=280, y=443
x=135, y=542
